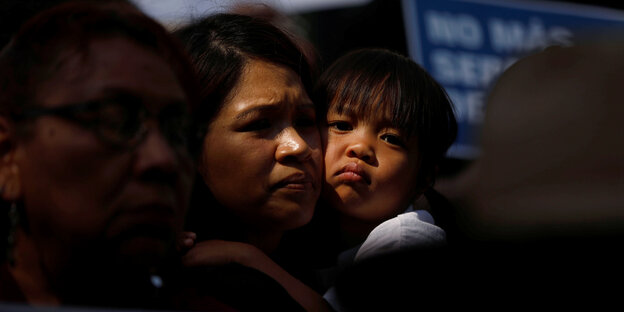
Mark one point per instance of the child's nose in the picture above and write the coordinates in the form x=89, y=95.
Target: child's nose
x=361, y=150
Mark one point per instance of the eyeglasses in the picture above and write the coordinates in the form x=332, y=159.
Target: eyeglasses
x=120, y=121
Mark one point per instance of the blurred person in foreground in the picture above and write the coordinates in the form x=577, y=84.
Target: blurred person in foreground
x=97, y=156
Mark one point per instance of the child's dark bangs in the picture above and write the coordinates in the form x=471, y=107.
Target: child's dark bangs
x=363, y=96
x=370, y=98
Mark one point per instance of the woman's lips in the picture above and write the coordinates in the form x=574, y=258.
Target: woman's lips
x=352, y=172
x=297, y=181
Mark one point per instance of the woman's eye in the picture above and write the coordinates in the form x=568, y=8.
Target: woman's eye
x=340, y=125
x=256, y=125
x=393, y=139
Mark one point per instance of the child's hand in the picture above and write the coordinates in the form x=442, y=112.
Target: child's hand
x=186, y=241
x=219, y=252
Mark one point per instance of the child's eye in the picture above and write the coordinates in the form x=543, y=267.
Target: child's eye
x=256, y=125
x=340, y=125
x=393, y=139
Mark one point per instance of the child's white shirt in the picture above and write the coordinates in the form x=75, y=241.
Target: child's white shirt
x=413, y=228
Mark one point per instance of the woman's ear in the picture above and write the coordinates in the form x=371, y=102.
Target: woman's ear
x=10, y=184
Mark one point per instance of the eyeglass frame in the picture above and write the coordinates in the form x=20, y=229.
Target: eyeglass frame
x=70, y=112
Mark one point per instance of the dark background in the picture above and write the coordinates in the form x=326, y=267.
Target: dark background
x=378, y=24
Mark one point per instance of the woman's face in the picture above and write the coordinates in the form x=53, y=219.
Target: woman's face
x=262, y=156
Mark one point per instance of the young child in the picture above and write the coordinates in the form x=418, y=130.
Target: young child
x=389, y=123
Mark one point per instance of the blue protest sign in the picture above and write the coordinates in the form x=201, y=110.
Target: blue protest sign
x=466, y=45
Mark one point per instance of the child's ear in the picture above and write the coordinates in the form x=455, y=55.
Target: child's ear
x=424, y=183
x=10, y=184
x=419, y=192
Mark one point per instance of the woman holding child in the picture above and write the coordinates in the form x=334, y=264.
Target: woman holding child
x=262, y=159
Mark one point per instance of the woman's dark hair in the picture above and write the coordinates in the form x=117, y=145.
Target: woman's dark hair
x=368, y=81
x=220, y=46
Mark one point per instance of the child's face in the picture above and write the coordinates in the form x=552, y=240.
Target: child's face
x=370, y=167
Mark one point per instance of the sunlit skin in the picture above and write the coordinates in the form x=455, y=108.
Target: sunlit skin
x=262, y=154
x=370, y=169
x=81, y=194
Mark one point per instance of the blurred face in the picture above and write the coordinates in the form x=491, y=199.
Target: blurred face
x=262, y=154
x=82, y=193
x=370, y=167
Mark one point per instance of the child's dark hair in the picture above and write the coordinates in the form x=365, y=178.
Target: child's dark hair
x=370, y=81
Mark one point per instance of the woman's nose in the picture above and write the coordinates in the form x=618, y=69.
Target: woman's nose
x=292, y=146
